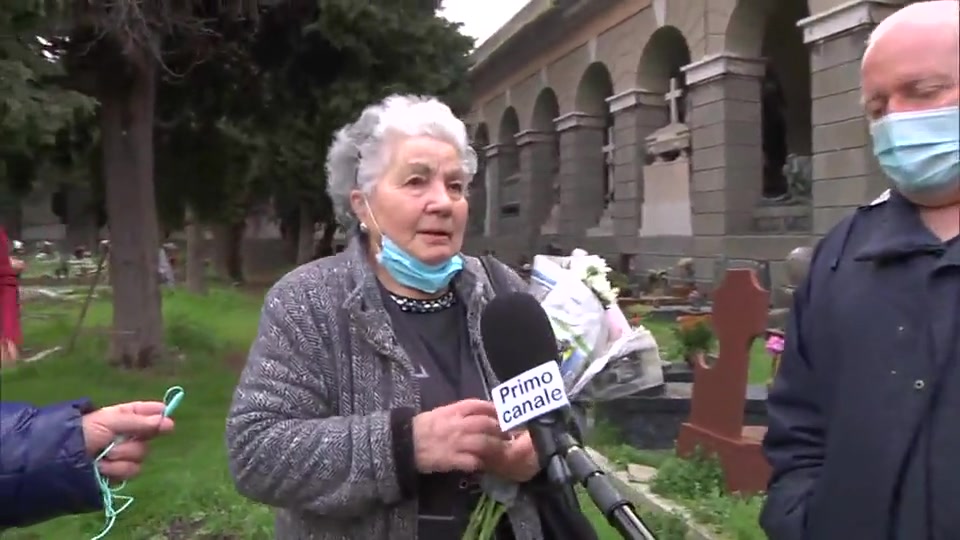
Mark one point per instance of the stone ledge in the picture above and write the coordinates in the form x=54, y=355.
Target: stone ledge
x=578, y=119
x=845, y=17
x=725, y=63
x=634, y=97
x=494, y=150
x=531, y=136
x=647, y=501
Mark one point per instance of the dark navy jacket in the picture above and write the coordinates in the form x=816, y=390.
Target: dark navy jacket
x=44, y=468
x=864, y=414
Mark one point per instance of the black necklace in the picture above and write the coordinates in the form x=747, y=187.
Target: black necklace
x=432, y=305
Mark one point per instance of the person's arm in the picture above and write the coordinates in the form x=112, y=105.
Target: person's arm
x=287, y=449
x=45, y=471
x=794, y=443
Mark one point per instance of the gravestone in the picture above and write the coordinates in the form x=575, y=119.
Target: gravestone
x=716, y=423
x=666, y=178
x=762, y=269
x=798, y=264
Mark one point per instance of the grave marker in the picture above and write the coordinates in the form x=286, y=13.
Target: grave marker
x=716, y=422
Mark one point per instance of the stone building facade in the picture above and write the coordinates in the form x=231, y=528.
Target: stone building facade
x=652, y=130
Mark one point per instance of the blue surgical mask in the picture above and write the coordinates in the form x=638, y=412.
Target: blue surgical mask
x=410, y=271
x=414, y=273
x=919, y=150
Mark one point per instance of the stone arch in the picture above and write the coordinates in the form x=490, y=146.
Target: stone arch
x=508, y=162
x=768, y=30
x=595, y=86
x=478, y=187
x=509, y=126
x=503, y=204
x=596, y=140
x=664, y=54
x=545, y=110
x=544, y=165
x=481, y=135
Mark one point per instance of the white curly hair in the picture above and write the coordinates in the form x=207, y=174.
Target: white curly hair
x=361, y=151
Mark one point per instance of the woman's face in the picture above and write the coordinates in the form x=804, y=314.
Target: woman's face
x=420, y=201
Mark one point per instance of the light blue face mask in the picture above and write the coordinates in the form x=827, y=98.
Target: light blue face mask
x=919, y=150
x=410, y=271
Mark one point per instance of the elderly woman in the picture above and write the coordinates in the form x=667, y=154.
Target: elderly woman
x=362, y=411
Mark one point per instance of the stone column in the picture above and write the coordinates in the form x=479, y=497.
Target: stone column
x=636, y=114
x=845, y=173
x=581, y=174
x=539, y=167
x=725, y=122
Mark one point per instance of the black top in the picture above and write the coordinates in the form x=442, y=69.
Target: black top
x=434, y=335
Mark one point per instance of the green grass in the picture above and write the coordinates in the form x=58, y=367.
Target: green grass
x=761, y=364
x=186, y=478
x=697, y=484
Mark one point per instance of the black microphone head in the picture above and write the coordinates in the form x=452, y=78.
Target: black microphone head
x=517, y=335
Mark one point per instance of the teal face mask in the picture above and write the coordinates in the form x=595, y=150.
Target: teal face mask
x=410, y=271
x=919, y=150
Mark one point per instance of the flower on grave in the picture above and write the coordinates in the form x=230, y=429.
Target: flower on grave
x=775, y=345
x=592, y=270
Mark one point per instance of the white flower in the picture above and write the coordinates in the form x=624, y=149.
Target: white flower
x=592, y=270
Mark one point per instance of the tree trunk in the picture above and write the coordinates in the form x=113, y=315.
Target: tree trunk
x=11, y=216
x=228, y=239
x=325, y=245
x=290, y=234
x=126, y=126
x=235, y=251
x=305, y=235
x=196, y=267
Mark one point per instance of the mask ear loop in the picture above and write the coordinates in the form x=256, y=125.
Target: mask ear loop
x=376, y=225
x=111, y=497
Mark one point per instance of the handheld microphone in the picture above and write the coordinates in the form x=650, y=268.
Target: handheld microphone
x=522, y=350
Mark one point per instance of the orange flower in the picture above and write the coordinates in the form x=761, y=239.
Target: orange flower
x=687, y=322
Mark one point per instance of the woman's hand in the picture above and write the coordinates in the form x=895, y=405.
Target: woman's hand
x=517, y=461
x=457, y=437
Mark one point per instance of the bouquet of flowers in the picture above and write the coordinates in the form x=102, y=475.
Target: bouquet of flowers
x=602, y=357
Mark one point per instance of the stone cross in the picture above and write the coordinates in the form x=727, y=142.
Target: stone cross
x=716, y=421
x=609, y=164
x=673, y=96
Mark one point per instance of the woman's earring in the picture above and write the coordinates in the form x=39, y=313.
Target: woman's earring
x=363, y=228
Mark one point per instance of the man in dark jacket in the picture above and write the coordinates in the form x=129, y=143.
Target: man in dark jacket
x=47, y=455
x=864, y=438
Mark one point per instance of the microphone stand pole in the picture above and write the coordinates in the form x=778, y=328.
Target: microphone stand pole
x=551, y=460
x=618, y=510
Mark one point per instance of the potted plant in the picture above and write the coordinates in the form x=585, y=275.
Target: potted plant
x=694, y=337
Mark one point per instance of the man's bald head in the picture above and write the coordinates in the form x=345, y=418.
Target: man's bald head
x=912, y=61
x=942, y=17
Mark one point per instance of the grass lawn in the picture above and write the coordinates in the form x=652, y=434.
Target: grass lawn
x=185, y=491
x=761, y=364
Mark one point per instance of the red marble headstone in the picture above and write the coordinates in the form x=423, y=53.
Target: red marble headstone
x=716, y=423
